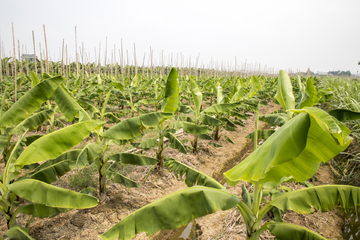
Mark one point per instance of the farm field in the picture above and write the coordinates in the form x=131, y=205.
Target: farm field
x=88, y=152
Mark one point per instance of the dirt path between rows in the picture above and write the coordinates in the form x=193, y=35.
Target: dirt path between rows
x=121, y=201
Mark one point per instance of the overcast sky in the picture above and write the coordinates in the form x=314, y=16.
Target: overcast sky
x=323, y=35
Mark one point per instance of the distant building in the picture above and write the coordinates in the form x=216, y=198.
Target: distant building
x=31, y=57
x=323, y=74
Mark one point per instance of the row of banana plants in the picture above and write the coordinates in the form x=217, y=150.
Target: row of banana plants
x=308, y=137
x=55, y=101
x=52, y=100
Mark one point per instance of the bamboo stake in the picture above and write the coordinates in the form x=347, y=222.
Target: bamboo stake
x=143, y=66
x=62, y=58
x=122, y=63
x=12, y=26
x=20, y=61
x=151, y=58
x=41, y=62
x=34, y=53
x=67, y=63
x=47, y=58
x=135, y=64
x=105, y=59
x=76, y=55
x=99, y=64
x=116, y=64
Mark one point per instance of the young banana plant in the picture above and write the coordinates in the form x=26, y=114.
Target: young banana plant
x=294, y=151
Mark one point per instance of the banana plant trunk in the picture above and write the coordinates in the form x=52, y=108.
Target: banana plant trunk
x=216, y=134
x=102, y=176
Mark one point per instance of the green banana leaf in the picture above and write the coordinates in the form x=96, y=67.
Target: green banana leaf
x=147, y=144
x=311, y=95
x=119, y=178
x=32, y=122
x=67, y=104
x=175, y=143
x=285, y=231
x=130, y=128
x=3, y=142
x=35, y=80
x=30, y=102
x=135, y=159
x=196, y=95
x=238, y=95
x=344, y=114
x=54, y=144
x=190, y=203
x=40, y=210
x=219, y=95
x=255, y=86
x=87, y=155
x=51, y=196
x=324, y=198
x=284, y=94
x=262, y=134
x=191, y=128
x=192, y=176
x=293, y=150
x=18, y=233
x=221, y=108
x=51, y=169
x=274, y=119
x=171, y=98
x=207, y=120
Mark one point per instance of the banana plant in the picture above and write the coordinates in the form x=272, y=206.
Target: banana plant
x=294, y=151
x=46, y=199
x=169, y=106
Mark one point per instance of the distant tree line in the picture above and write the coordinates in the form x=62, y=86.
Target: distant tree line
x=340, y=73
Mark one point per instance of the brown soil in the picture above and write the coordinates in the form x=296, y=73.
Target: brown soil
x=121, y=201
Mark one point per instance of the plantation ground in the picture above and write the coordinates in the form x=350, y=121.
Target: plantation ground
x=121, y=201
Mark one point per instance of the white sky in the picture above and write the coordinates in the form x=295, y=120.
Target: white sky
x=321, y=34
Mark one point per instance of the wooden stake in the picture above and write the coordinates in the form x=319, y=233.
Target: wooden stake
x=20, y=61
x=122, y=63
x=76, y=55
x=151, y=58
x=105, y=60
x=116, y=64
x=143, y=66
x=41, y=62
x=62, y=58
x=12, y=26
x=135, y=64
x=34, y=53
x=99, y=63
x=47, y=57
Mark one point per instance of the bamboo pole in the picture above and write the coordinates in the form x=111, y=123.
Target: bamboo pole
x=151, y=59
x=76, y=55
x=99, y=63
x=41, y=62
x=47, y=57
x=116, y=64
x=67, y=63
x=34, y=53
x=62, y=58
x=135, y=64
x=12, y=26
x=122, y=63
x=20, y=61
x=105, y=59
x=143, y=67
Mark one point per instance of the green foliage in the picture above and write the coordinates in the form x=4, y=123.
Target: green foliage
x=83, y=178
